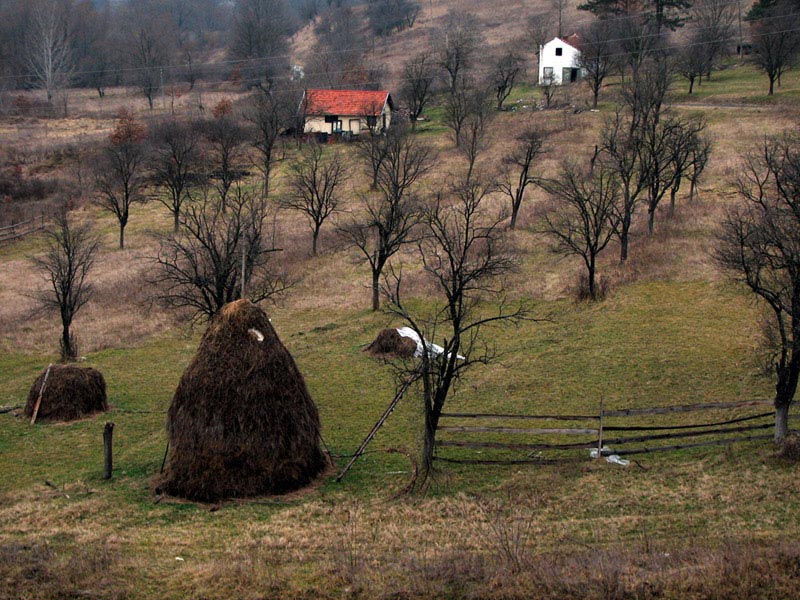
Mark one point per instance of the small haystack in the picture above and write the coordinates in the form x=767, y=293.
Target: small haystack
x=390, y=343
x=71, y=392
x=241, y=422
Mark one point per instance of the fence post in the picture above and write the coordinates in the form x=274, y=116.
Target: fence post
x=600, y=431
x=108, y=432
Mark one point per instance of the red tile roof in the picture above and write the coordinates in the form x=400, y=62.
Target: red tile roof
x=574, y=40
x=345, y=102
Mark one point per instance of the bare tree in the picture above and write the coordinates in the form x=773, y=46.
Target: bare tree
x=665, y=150
x=457, y=43
x=175, y=163
x=549, y=89
x=49, y=52
x=624, y=139
x=148, y=56
x=509, y=67
x=417, y=86
x=599, y=57
x=339, y=54
x=759, y=245
x=559, y=6
x=517, y=168
x=776, y=41
x=120, y=177
x=691, y=62
x=584, y=217
x=270, y=113
x=689, y=158
x=218, y=257
x=390, y=215
x=69, y=255
x=371, y=148
x=713, y=23
x=315, y=187
x=226, y=140
x=260, y=38
x=538, y=30
x=466, y=114
x=473, y=130
x=388, y=16
x=462, y=253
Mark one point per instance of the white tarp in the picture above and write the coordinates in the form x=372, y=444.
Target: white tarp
x=433, y=349
x=614, y=459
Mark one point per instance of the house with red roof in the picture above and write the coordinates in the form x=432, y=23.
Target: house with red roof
x=346, y=111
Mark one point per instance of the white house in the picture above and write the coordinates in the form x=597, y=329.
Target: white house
x=559, y=61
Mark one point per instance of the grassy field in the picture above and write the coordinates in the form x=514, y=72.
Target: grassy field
x=720, y=522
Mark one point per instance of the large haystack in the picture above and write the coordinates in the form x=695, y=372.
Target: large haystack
x=71, y=392
x=241, y=422
x=391, y=344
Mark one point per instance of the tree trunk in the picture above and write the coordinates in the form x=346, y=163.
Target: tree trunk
x=176, y=220
x=672, y=194
x=68, y=350
x=314, y=239
x=623, y=238
x=515, y=206
x=376, y=298
x=691, y=85
x=121, y=236
x=785, y=389
x=651, y=218
x=781, y=422
x=771, y=86
x=591, y=274
x=431, y=422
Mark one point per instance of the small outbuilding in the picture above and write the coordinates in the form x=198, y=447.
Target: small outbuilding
x=347, y=112
x=241, y=422
x=559, y=61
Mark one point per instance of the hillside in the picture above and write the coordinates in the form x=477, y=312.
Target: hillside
x=672, y=331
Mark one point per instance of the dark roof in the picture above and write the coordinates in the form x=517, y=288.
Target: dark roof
x=346, y=102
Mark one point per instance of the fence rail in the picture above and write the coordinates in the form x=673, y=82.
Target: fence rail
x=15, y=231
x=511, y=438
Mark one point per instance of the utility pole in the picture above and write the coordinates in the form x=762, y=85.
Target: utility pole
x=163, y=92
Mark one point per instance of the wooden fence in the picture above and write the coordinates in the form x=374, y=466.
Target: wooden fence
x=18, y=230
x=607, y=431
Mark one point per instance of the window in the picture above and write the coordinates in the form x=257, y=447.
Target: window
x=559, y=51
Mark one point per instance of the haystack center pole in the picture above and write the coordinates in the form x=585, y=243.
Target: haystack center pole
x=378, y=425
x=244, y=254
x=41, y=393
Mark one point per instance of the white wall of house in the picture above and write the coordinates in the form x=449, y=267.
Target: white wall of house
x=355, y=124
x=559, y=61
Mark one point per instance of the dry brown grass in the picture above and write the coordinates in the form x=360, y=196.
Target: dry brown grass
x=683, y=531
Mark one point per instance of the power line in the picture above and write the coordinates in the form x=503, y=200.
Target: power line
x=266, y=61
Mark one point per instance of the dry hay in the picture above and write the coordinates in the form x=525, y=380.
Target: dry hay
x=71, y=392
x=241, y=422
x=390, y=343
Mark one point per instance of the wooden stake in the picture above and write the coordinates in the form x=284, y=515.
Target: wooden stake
x=108, y=432
x=41, y=393
x=600, y=431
